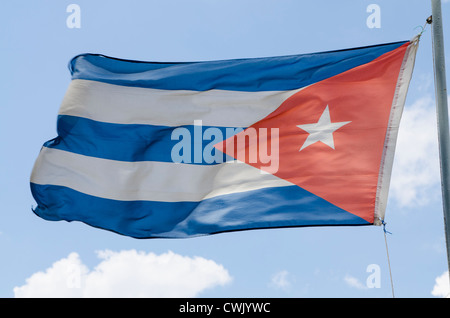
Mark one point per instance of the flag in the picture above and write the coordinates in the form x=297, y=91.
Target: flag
x=174, y=150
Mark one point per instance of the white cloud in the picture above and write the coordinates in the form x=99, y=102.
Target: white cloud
x=354, y=282
x=56, y=281
x=281, y=280
x=442, y=286
x=415, y=175
x=126, y=274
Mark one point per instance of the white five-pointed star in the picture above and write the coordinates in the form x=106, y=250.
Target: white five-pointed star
x=322, y=130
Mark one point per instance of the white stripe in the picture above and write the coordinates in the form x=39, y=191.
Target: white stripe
x=134, y=105
x=146, y=180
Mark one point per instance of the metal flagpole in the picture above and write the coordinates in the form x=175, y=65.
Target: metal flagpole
x=442, y=114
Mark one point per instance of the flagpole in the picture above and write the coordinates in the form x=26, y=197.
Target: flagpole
x=442, y=114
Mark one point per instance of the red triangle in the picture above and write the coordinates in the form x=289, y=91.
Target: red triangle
x=346, y=176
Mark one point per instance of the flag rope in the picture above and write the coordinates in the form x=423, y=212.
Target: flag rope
x=428, y=21
x=387, y=254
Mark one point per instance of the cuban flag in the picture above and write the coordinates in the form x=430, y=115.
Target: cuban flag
x=175, y=150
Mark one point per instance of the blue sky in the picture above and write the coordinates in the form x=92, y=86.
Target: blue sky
x=42, y=258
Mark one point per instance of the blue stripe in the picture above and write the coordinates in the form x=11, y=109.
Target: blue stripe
x=135, y=142
x=264, y=208
x=255, y=74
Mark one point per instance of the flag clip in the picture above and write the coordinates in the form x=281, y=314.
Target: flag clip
x=384, y=227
